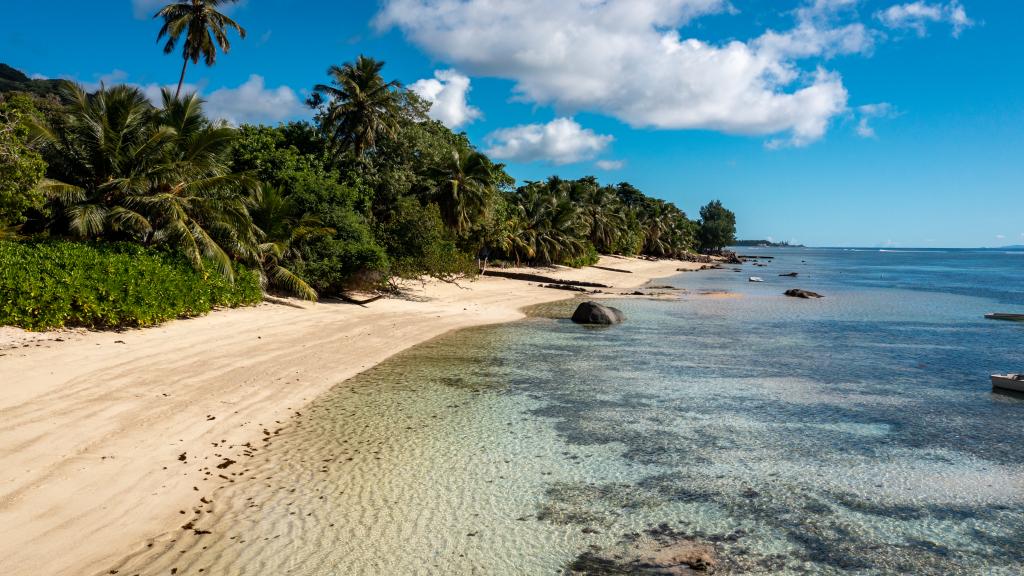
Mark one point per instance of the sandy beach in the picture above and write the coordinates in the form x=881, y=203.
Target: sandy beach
x=96, y=427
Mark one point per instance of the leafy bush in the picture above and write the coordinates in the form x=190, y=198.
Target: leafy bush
x=588, y=257
x=349, y=259
x=104, y=285
x=419, y=243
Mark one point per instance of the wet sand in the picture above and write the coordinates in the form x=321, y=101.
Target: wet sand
x=108, y=439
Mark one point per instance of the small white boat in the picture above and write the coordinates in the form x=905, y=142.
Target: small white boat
x=1005, y=316
x=1014, y=382
x=755, y=279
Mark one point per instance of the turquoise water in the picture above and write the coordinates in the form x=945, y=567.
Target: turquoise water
x=856, y=434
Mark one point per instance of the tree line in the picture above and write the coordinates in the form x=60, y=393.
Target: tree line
x=370, y=190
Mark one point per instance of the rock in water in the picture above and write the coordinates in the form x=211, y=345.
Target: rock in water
x=594, y=313
x=657, y=552
x=798, y=293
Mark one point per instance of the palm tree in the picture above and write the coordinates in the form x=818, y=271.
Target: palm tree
x=603, y=213
x=281, y=232
x=463, y=184
x=129, y=171
x=204, y=27
x=553, y=230
x=363, y=108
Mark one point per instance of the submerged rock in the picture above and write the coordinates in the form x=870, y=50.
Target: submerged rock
x=658, y=552
x=798, y=293
x=595, y=313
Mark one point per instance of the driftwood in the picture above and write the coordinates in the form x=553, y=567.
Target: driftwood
x=542, y=279
x=564, y=287
x=351, y=300
x=612, y=269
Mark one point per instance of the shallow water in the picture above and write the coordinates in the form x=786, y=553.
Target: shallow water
x=853, y=434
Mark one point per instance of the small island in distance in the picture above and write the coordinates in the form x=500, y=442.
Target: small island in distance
x=766, y=244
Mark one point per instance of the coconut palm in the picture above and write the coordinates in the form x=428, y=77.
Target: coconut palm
x=281, y=232
x=204, y=27
x=128, y=171
x=462, y=190
x=605, y=218
x=363, y=108
x=553, y=229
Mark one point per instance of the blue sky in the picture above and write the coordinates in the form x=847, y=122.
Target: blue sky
x=827, y=122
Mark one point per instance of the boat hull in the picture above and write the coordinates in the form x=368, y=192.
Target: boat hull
x=1002, y=316
x=1007, y=383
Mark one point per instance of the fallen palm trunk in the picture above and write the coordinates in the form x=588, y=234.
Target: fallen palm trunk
x=538, y=278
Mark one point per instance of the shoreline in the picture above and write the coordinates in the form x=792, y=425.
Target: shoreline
x=99, y=431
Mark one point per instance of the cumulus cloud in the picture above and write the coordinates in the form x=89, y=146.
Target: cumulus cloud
x=561, y=141
x=627, y=59
x=610, y=165
x=918, y=15
x=869, y=112
x=819, y=33
x=253, y=102
x=447, y=93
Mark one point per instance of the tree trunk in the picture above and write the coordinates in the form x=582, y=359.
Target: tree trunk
x=181, y=80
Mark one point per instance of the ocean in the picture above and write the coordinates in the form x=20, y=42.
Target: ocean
x=855, y=434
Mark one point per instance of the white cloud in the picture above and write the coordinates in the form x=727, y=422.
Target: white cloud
x=249, y=103
x=627, y=59
x=253, y=102
x=818, y=33
x=561, y=141
x=869, y=112
x=918, y=15
x=1000, y=237
x=447, y=93
x=610, y=164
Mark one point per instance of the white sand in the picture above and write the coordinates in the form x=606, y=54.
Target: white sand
x=92, y=424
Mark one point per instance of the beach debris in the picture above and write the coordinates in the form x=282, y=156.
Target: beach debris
x=798, y=293
x=564, y=287
x=755, y=279
x=661, y=551
x=544, y=279
x=595, y=313
x=227, y=462
x=612, y=269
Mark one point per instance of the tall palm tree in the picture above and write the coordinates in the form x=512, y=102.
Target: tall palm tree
x=205, y=30
x=280, y=233
x=132, y=172
x=363, y=108
x=553, y=230
x=462, y=189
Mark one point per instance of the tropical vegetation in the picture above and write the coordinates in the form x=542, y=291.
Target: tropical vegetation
x=369, y=192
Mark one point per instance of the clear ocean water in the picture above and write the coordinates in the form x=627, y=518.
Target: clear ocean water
x=856, y=434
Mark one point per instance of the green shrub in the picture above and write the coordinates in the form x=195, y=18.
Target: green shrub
x=105, y=285
x=419, y=243
x=587, y=258
x=349, y=259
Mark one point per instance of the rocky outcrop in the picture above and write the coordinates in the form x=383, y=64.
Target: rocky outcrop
x=694, y=257
x=659, y=551
x=599, y=314
x=790, y=274
x=798, y=293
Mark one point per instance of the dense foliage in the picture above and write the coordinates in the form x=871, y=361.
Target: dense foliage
x=717, y=227
x=108, y=284
x=21, y=168
x=372, y=190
